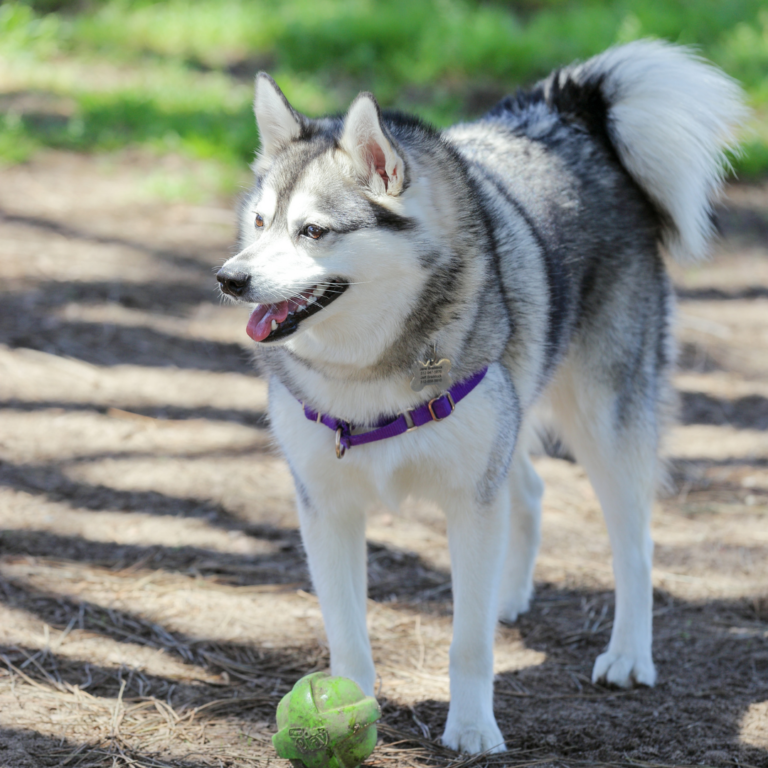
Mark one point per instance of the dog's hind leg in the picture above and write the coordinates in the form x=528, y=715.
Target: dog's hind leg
x=526, y=489
x=334, y=540
x=617, y=448
x=476, y=539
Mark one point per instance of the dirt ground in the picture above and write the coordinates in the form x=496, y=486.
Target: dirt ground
x=154, y=602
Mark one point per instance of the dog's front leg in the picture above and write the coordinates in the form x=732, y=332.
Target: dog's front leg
x=334, y=539
x=477, y=537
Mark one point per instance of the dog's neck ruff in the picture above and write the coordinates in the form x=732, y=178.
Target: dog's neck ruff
x=437, y=409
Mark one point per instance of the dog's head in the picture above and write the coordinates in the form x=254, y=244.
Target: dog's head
x=334, y=232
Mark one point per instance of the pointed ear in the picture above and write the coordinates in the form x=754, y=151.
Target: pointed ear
x=365, y=140
x=279, y=123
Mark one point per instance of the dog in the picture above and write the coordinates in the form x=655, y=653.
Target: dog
x=422, y=294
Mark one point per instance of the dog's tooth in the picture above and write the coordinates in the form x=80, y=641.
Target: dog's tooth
x=311, y=300
x=274, y=325
x=318, y=292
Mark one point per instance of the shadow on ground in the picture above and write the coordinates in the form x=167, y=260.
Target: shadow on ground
x=70, y=232
x=712, y=659
x=22, y=748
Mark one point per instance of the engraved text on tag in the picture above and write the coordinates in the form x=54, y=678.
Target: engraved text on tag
x=431, y=373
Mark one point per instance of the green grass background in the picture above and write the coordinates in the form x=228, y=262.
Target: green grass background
x=177, y=76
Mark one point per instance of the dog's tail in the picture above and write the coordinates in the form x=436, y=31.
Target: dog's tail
x=671, y=117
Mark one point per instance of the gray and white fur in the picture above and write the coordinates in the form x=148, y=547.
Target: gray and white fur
x=530, y=241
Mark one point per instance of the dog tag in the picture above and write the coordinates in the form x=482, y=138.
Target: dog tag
x=431, y=372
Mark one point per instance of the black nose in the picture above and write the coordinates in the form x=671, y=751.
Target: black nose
x=233, y=283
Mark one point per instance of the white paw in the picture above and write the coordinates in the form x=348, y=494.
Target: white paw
x=475, y=738
x=511, y=606
x=623, y=671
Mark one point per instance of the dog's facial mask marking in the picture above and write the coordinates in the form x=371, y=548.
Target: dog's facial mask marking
x=332, y=209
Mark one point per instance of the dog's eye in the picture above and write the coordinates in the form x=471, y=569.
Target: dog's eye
x=313, y=231
x=259, y=222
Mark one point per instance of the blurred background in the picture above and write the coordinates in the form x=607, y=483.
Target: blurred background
x=176, y=76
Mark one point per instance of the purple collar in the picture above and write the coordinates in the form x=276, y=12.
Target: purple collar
x=437, y=409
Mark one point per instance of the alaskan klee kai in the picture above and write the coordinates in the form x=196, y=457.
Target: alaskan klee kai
x=420, y=293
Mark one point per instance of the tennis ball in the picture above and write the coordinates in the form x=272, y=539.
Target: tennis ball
x=326, y=722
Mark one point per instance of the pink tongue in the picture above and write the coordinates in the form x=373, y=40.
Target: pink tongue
x=260, y=322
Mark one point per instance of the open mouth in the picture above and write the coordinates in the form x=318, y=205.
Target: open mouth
x=272, y=322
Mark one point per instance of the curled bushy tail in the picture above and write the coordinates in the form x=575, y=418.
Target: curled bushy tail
x=671, y=118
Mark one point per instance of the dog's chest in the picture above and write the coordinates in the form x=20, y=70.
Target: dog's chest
x=432, y=461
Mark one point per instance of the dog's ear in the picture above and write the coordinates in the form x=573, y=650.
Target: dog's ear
x=279, y=123
x=365, y=139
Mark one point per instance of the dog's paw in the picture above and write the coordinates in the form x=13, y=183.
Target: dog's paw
x=514, y=604
x=475, y=738
x=623, y=671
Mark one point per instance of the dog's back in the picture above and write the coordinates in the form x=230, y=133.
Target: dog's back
x=603, y=162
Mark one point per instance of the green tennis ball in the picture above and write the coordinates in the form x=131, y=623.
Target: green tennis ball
x=326, y=722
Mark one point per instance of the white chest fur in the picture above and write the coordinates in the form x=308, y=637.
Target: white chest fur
x=430, y=461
